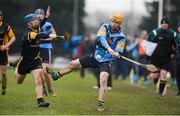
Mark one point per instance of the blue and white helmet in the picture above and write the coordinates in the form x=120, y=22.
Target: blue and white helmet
x=30, y=17
x=39, y=11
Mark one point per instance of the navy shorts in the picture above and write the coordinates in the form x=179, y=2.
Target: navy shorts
x=45, y=54
x=3, y=57
x=89, y=61
x=161, y=63
x=25, y=67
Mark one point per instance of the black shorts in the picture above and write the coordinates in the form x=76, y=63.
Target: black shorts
x=89, y=61
x=3, y=57
x=25, y=67
x=161, y=63
x=45, y=54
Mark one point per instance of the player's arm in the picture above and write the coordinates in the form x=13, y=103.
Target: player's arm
x=48, y=12
x=105, y=44
x=101, y=36
x=52, y=32
x=50, y=39
x=34, y=35
x=152, y=35
x=177, y=39
x=11, y=37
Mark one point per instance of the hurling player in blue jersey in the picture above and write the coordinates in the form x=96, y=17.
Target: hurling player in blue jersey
x=110, y=44
x=45, y=51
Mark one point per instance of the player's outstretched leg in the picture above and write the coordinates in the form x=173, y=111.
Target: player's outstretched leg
x=67, y=69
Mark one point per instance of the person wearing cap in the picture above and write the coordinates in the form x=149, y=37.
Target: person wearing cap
x=45, y=51
x=110, y=44
x=30, y=56
x=178, y=63
x=7, y=38
x=166, y=40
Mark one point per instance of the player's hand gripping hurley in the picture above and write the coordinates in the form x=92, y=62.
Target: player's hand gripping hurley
x=65, y=36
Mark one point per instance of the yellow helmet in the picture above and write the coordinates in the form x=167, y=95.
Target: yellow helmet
x=118, y=18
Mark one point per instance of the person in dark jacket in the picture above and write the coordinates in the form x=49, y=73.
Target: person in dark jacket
x=166, y=40
x=178, y=63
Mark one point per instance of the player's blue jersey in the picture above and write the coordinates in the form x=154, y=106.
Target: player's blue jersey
x=47, y=28
x=116, y=41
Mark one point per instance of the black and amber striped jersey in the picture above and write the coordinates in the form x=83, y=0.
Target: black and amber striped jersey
x=6, y=33
x=30, y=44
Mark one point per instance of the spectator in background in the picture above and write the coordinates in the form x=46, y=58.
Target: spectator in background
x=178, y=63
x=165, y=38
x=132, y=49
x=76, y=46
x=142, y=56
x=120, y=68
x=7, y=38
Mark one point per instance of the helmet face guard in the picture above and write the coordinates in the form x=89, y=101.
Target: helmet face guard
x=39, y=11
x=30, y=17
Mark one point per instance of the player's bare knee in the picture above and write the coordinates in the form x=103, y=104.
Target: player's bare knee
x=104, y=75
x=72, y=64
x=103, y=79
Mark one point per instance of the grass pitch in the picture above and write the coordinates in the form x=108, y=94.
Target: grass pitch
x=75, y=96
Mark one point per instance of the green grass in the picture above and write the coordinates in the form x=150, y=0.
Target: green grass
x=75, y=96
